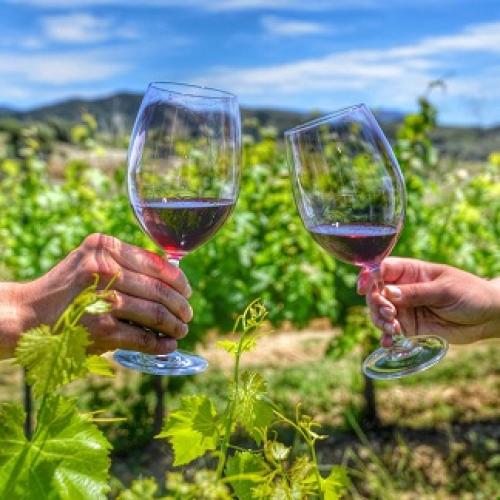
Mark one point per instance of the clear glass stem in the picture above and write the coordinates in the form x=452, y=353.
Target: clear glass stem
x=401, y=345
x=177, y=363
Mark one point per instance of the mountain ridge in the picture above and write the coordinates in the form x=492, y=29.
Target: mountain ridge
x=115, y=114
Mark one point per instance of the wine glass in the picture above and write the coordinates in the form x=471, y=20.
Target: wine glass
x=351, y=197
x=183, y=182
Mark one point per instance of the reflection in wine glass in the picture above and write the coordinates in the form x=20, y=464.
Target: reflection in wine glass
x=183, y=180
x=351, y=197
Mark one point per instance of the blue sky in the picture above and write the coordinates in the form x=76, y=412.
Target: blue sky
x=298, y=54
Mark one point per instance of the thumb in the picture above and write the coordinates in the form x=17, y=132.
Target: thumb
x=414, y=294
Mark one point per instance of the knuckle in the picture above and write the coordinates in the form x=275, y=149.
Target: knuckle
x=92, y=241
x=88, y=266
x=117, y=301
x=161, y=291
x=150, y=262
x=158, y=314
x=106, y=324
x=148, y=341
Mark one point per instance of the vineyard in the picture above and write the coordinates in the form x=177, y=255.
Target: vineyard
x=304, y=426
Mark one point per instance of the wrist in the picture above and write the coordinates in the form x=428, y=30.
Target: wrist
x=493, y=328
x=16, y=315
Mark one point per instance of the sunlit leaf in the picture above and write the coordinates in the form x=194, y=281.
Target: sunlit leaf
x=67, y=457
x=254, y=411
x=53, y=360
x=99, y=366
x=244, y=470
x=335, y=484
x=192, y=430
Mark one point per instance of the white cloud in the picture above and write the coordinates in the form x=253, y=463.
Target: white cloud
x=393, y=75
x=58, y=70
x=81, y=27
x=278, y=26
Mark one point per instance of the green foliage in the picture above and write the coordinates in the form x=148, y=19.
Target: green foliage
x=67, y=457
x=140, y=489
x=192, y=429
x=269, y=470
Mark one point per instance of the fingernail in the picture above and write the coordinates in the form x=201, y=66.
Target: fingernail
x=397, y=327
x=189, y=291
x=386, y=341
x=393, y=291
x=387, y=312
x=190, y=313
x=389, y=328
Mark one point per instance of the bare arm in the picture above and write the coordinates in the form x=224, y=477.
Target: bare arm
x=426, y=298
x=148, y=291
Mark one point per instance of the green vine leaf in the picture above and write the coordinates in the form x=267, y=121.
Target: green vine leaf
x=53, y=360
x=254, y=410
x=99, y=366
x=229, y=346
x=335, y=484
x=192, y=430
x=245, y=470
x=247, y=344
x=67, y=457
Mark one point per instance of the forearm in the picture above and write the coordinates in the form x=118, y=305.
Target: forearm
x=16, y=315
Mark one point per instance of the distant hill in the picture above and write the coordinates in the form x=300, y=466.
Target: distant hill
x=116, y=114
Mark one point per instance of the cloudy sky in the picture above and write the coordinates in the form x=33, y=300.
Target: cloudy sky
x=299, y=54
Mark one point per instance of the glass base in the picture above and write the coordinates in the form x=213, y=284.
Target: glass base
x=177, y=363
x=411, y=355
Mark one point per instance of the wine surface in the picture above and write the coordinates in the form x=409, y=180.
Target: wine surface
x=179, y=225
x=360, y=244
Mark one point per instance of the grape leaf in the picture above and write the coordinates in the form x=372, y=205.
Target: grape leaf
x=67, y=457
x=248, y=342
x=303, y=481
x=99, y=366
x=334, y=485
x=229, y=346
x=53, y=360
x=245, y=470
x=254, y=412
x=192, y=430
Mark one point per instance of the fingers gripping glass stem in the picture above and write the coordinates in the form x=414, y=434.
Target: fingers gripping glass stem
x=405, y=355
x=183, y=182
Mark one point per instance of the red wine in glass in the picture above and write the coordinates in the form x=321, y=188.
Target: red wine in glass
x=364, y=245
x=180, y=225
x=343, y=169
x=183, y=182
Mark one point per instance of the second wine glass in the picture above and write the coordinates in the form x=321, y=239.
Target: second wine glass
x=351, y=197
x=183, y=181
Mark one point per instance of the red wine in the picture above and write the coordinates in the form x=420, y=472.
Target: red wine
x=360, y=244
x=179, y=225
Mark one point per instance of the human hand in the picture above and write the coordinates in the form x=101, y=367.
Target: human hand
x=147, y=291
x=426, y=298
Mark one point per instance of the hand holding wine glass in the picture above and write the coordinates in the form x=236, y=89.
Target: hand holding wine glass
x=426, y=297
x=183, y=179
x=351, y=197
